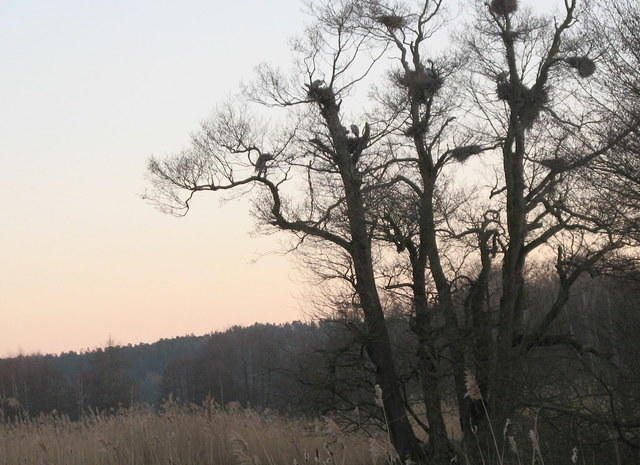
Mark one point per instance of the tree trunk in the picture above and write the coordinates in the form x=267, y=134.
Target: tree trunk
x=428, y=230
x=502, y=378
x=438, y=440
x=378, y=344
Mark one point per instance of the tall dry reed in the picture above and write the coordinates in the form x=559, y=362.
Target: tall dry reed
x=185, y=436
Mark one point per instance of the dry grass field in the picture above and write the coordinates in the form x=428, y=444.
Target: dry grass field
x=185, y=436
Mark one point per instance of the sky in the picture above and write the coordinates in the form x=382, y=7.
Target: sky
x=89, y=90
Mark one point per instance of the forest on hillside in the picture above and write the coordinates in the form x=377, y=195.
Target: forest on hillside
x=311, y=369
x=468, y=211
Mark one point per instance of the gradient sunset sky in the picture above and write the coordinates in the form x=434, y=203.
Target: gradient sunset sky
x=89, y=90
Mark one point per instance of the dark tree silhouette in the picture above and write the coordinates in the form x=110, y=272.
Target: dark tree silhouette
x=377, y=208
x=106, y=385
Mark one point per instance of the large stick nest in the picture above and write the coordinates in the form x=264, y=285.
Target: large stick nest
x=584, y=65
x=527, y=103
x=319, y=92
x=392, y=21
x=422, y=83
x=503, y=7
x=463, y=153
x=555, y=164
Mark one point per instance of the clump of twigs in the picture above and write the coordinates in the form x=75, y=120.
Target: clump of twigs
x=503, y=7
x=463, y=153
x=555, y=164
x=319, y=92
x=422, y=83
x=528, y=103
x=392, y=22
x=531, y=104
x=583, y=64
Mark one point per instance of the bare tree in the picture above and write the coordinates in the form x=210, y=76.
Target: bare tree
x=547, y=128
x=317, y=159
x=409, y=217
x=614, y=179
x=535, y=104
x=376, y=197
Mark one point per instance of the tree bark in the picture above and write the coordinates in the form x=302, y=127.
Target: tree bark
x=378, y=343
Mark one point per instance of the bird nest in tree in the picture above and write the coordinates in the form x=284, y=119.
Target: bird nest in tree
x=319, y=92
x=584, y=65
x=392, y=21
x=422, y=84
x=463, y=153
x=503, y=7
x=528, y=103
x=555, y=164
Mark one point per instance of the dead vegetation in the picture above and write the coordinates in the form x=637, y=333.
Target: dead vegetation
x=186, y=436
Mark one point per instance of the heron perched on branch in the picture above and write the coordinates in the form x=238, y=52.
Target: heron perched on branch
x=261, y=163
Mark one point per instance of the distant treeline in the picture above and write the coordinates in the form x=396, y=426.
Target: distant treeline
x=300, y=368
x=251, y=365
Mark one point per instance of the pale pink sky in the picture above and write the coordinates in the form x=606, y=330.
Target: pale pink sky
x=88, y=91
